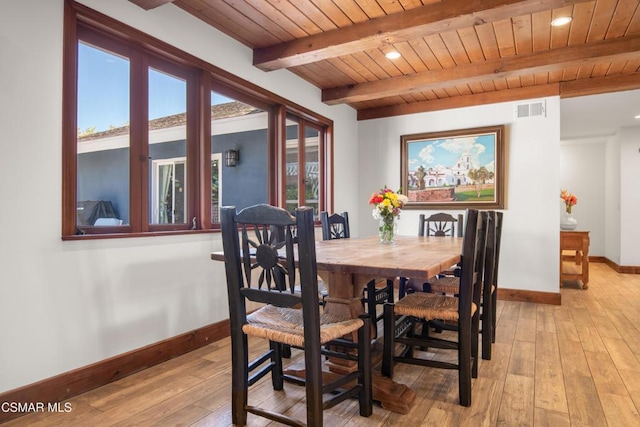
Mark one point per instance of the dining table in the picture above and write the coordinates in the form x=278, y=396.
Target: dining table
x=347, y=265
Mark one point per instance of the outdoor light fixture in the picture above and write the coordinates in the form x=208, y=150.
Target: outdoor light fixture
x=231, y=158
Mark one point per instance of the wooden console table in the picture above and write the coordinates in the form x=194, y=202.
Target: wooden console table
x=574, y=247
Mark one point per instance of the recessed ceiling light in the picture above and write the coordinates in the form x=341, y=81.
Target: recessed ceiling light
x=563, y=20
x=392, y=54
x=637, y=117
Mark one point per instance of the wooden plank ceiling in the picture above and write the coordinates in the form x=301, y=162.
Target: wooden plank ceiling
x=453, y=52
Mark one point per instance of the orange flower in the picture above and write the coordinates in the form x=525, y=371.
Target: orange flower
x=569, y=199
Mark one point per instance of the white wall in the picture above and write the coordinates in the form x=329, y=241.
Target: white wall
x=64, y=305
x=529, y=257
x=583, y=173
x=630, y=196
x=612, y=199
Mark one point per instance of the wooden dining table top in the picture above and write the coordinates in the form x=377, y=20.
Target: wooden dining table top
x=409, y=256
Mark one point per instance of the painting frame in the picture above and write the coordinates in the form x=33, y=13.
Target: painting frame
x=432, y=178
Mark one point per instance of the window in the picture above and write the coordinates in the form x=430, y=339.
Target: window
x=304, y=186
x=147, y=127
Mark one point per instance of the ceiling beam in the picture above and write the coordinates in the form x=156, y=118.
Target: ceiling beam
x=150, y=4
x=598, y=85
x=528, y=92
x=447, y=15
x=527, y=64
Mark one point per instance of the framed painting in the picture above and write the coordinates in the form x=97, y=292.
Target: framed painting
x=456, y=169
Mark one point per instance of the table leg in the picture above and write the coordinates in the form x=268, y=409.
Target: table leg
x=345, y=299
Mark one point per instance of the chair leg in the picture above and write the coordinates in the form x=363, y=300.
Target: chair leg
x=487, y=327
x=286, y=351
x=402, y=287
x=371, y=305
x=276, y=371
x=464, y=364
x=494, y=301
x=390, y=290
x=389, y=344
x=364, y=367
x=313, y=378
x=239, y=379
x=475, y=343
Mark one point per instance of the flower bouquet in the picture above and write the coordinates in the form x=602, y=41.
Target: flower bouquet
x=568, y=222
x=568, y=199
x=387, y=208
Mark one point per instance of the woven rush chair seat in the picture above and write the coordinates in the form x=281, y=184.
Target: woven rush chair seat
x=446, y=285
x=449, y=285
x=430, y=306
x=285, y=325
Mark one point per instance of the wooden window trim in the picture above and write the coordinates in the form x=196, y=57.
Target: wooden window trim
x=209, y=77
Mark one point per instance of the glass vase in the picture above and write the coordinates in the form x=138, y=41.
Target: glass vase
x=387, y=230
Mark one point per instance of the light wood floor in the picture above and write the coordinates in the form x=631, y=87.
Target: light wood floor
x=576, y=364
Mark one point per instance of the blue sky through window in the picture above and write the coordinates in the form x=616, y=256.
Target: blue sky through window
x=103, y=91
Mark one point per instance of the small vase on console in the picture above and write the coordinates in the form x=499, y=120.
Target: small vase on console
x=568, y=222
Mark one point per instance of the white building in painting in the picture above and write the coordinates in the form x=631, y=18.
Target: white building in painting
x=444, y=176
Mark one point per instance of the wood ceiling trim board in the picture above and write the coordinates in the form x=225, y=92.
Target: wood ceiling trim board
x=560, y=35
x=632, y=66
x=634, y=25
x=505, y=38
x=586, y=71
x=392, y=68
x=461, y=101
x=599, y=70
x=352, y=10
x=471, y=44
x=579, y=28
x=523, y=33
x=622, y=18
x=411, y=57
x=602, y=15
x=347, y=70
x=271, y=18
x=233, y=23
x=487, y=38
x=546, y=61
x=430, y=19
x=333, y=13
x=541, y=28
x=455, y=47
x=316, y=14
x=440, y=51
x=375, y=10
x=555, y=76
x=599, y=85
x=297, y=18
x=425, y=53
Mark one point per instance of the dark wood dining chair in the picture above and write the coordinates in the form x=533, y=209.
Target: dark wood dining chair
x=451, y=285
x=273, y=251
x=336, y=226
x=439, y=224
x=401, y=318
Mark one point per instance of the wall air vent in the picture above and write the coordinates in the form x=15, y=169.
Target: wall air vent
x=533, y=109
